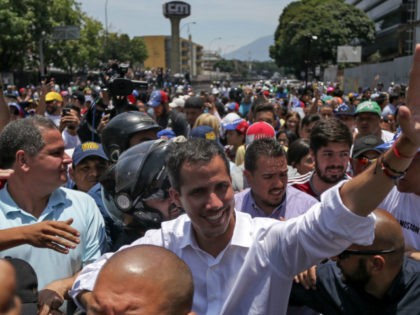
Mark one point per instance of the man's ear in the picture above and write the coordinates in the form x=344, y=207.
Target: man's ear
x=378, y=263
x=21, y=160
x=248, y=176
x=175, y=196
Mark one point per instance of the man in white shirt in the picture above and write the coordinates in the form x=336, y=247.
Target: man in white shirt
x=242, y=265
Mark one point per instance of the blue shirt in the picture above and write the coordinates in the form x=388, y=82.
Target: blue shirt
x=294, y=204
x=63, y=204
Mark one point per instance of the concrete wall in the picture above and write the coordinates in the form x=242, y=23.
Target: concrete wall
x=396, y=71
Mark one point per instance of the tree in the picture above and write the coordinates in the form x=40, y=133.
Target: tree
x=16, y=32
x=27, y=25
x=309, y=32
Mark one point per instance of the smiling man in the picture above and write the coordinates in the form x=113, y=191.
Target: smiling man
x=330, y=144
x=266, y=174
x=244, y=265
x=33, y=197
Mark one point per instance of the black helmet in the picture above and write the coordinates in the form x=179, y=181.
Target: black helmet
x=117, y=133
x=139, y=174
x=236, y=94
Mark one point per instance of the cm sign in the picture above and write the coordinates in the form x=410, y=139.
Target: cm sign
x=176, y=9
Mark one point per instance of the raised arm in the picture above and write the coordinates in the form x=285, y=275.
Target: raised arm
x=364, y=192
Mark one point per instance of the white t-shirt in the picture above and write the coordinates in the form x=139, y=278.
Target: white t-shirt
x=405, y=207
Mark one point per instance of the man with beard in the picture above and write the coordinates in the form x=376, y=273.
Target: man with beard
x=330, y=144
x=266, y=175
x=373, y=279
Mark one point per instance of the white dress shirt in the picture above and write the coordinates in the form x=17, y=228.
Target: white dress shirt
x=291, y=246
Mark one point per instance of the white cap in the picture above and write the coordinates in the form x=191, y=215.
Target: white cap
x=179, y=89
x=177, y=102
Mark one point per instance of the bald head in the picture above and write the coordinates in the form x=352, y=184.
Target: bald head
x=146, y=278
x=388, y=235
x=7, y=285
x=388, y=232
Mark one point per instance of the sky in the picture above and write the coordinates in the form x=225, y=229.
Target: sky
x=223, y=25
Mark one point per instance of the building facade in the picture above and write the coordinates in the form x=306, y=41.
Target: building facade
x=159, y=54
x=397, y=25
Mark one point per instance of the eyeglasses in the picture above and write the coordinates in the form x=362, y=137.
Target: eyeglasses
x=348, y=252
x=364, y=161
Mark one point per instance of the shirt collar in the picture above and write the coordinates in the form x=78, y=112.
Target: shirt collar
x=241, y=234
x=56, y=199
x=276, y=213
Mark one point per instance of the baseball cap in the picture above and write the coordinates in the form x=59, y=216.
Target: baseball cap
x=166, y=134
x=366, y=143
x=369, y=107
x=205, y=132
x=177, y=102
x=259, y=130
x=232, y=106
x=215, y=91
x=157, y=97
x=88, y=149
x=179, y=90
x=233, y=121
x=27, y=285
x=344, y=110
x=53, y=96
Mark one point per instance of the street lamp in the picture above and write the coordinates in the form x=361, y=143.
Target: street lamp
x=186, y=24
x=106, y=27
x=310, y=39
x=190, y=47
x=41, y=54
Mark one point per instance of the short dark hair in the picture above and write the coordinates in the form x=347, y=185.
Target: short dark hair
x=194, y=102
x=308, y=119
x=297, y=151
x=393, y=97
x=266, y=107
x=266, y=146
x=193, y=150
x=329, y=130
x=23, y=134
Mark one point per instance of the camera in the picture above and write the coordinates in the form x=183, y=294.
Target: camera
x=120, y=86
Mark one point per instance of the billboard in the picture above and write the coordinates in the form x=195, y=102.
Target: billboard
x=351, y=54
x=66, y=32
x=176, y=9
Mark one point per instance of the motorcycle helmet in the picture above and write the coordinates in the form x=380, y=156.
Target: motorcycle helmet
x=117, y=133
x=139, y=174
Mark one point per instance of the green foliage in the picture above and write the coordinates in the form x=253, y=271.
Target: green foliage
x=225, y=65
x=333, y=22
x=15, y=25
x=28, y=22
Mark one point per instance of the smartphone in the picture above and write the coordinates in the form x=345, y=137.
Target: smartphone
x=65, y=112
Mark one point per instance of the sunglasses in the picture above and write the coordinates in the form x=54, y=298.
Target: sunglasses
x=364, y=161
x=348, y=252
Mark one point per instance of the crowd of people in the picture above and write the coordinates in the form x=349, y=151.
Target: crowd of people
x=250, y=199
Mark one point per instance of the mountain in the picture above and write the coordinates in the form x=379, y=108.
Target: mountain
x=257, y=50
